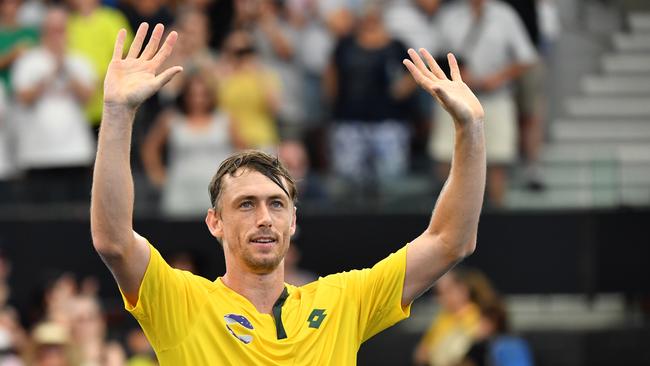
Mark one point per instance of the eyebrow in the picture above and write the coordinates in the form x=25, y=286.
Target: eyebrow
x=257, y=198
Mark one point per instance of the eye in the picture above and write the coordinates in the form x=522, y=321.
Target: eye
x=246, y=204
x=277, y=204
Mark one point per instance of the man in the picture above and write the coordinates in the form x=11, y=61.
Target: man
x=250, y=316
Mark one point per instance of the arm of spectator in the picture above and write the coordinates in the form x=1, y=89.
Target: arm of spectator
x=82, y=91
x=28, y=95
x=500, y=78
x=279, y=41
x=330, y=83
x=152, y=150
x=235, y=137
x=403, y=87
x=451, y=234
x=8, y=58
x=129, y=82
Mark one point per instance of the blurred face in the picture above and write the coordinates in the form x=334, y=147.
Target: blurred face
x=9, y=9
x=51, y=355
x=199, y=97
x=54, y=30
x=194, y=30
x=452, y=295
x=87, y=322
x=84, y=6
x=255, y=221
x=428, y=6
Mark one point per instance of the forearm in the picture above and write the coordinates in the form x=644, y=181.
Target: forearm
x=455, y=218
x=80, y=91
x=112, y=191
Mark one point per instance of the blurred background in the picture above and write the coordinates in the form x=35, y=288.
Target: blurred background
x=561, y=273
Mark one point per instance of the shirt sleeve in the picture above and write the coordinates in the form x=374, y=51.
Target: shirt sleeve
x=168, y=302
x=378, y=294
x=522, y=47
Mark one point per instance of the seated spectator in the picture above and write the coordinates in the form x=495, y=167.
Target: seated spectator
x=489, y=37
x=142, y=353
x=91, y=30
x=54, y=141
x=198, y=136
x=460, y=294
x=367, y=85
x=495, y=346
x=249, y=92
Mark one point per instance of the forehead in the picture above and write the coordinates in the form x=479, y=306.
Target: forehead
x=246, y=182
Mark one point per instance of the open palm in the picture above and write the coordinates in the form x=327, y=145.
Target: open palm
x=131, y=80
x=454, y=95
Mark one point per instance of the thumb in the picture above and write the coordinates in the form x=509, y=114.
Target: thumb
x=164, y=77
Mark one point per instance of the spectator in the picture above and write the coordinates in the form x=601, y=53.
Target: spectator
x=529, y=97
x=495, y=346
x=88, y=331
x=460, y=294
x=91, y=27
x=220, y=13
x=140, y=349
x=249, y=92
x=192, y=53
x=493, y=43
x=293, y=155
x=55, y=142
x=51, y=344
x=13, y=338
x=15, y=40
x=368, y=86
x=149, y=11
x=276, y=37
x=198, y=135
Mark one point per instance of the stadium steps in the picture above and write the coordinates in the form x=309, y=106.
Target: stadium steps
x=599, y=85
x=636, y=42
x=639, y=22
x=626, y=62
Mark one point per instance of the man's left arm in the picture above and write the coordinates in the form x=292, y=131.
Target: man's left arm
x=451, y=234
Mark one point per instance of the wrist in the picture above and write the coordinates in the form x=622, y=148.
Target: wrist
x=114, y=110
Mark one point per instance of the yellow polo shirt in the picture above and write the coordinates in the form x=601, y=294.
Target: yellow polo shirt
x=190, y=320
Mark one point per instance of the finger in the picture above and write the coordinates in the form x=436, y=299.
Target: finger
x=119, y=44
x=417, y=61
x=136, y=45
x=154, y=41
x=164, y=77
x=433, y=65
x=166, y=49
x=453, y=67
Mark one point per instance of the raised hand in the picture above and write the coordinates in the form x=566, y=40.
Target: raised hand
x=454, y=95
x=131, y=80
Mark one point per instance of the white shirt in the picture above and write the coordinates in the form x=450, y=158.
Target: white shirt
x=412, y=26
x=502, y=39
x=53, y=130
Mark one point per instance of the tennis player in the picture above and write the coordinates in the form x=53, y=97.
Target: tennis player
x=249, y=316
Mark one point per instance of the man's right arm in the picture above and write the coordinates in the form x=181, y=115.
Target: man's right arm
x=129, y=81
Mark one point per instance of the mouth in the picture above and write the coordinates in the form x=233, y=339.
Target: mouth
x=263, y=240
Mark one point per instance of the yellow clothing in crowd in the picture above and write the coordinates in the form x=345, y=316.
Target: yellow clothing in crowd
x=190, y=320
x=245, y=95
x=93, y=37
x=451, y=335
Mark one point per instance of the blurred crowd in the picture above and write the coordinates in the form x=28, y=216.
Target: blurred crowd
x=320, y=83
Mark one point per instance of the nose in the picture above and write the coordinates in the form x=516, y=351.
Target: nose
x=263, y=216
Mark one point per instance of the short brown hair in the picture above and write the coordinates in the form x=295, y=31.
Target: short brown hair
x=261, y=162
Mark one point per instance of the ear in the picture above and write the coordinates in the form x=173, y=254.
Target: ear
x=293, y=220
x=215, y=223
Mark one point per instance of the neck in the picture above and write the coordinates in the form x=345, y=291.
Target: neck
x=262, y=290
